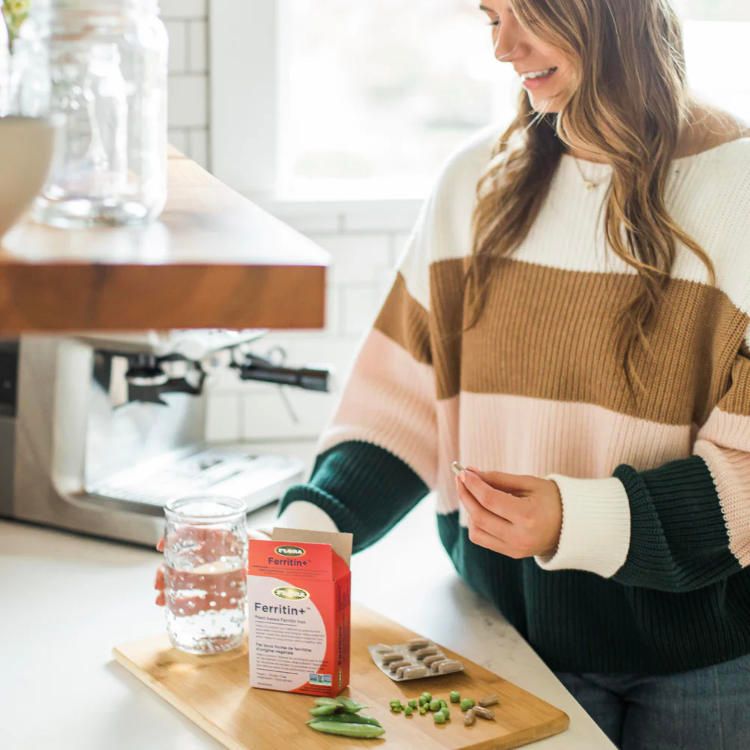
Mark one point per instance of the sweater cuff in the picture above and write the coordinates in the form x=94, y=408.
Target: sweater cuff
x=595, y=533
x=302, y=514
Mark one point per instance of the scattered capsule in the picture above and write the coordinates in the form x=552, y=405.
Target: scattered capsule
x=470, y=717
x=490, y=700
x=484, y=713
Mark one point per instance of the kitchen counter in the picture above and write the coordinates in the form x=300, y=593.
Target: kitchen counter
x=67, y=599
x=212, y=260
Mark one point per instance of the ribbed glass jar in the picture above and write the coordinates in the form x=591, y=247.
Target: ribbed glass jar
x=99, y=69
x=4, y=67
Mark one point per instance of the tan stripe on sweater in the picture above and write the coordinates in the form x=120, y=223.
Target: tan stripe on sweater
x=549, y=334
x=405, y=321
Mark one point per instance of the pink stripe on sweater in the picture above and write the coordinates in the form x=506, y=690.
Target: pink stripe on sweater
x=533, y=436
x=727, y=430
x=389, y=400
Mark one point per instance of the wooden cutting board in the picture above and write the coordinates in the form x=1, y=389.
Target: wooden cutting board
x=213, y=691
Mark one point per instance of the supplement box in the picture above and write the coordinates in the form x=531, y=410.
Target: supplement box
x=298, y=593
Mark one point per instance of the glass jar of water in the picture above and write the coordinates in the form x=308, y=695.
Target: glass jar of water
x=99, y=69
x=205, y=573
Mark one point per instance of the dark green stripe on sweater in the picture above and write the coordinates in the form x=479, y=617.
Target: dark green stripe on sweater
x=678, y=540
x=365, y=489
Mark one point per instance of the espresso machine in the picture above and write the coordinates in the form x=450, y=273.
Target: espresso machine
x=99, y=431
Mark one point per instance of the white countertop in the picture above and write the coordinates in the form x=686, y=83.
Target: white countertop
x=67, y=599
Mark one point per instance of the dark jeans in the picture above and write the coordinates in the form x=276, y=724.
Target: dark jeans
x=704, y=709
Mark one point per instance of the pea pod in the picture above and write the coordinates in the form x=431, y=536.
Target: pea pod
x=327, y=702
x=325, y=710
x=346, y=729
x=350, y=719
x=350, y=706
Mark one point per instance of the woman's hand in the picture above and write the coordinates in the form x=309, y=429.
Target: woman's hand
x=262, y=533
x=514, y=515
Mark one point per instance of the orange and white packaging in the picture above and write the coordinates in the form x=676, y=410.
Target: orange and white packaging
x=299, y=602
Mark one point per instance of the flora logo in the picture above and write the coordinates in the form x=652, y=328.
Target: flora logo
x=290, y=550
x=290, y=592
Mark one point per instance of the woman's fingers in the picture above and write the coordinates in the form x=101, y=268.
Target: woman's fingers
x=481, y=518
x=160, y=545
x=495, y=501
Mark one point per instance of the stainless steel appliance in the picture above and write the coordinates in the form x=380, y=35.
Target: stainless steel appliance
x=97, y=432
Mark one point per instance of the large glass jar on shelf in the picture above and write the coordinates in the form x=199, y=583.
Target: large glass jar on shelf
x=99, y=69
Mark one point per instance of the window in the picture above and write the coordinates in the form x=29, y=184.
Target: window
x=352, y=100
x=376, y=94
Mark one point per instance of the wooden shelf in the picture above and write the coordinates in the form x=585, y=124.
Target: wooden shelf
x=213, y=260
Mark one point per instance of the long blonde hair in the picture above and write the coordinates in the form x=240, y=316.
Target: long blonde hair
x=629, y=104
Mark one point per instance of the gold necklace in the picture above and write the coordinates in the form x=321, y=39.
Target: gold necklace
x=590, y=184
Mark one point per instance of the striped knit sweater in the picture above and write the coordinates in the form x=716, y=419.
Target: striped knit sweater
x=651, y=573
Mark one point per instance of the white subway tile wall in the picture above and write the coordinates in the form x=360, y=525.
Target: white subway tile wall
x=186, y=22
x=362, y=270
x=365, y=241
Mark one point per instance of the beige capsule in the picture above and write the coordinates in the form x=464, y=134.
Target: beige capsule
x=392, y=656
x=412, y=673
x=422, y=652
x=448, y=666
x=394, y=665
x=416, y=643
x=470, y=717
x=430, y=660
x=490, y=700
x=484, y=713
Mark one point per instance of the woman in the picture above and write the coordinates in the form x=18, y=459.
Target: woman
x=571, y=316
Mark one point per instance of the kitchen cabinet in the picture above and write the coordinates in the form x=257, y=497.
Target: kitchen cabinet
x=213, y=260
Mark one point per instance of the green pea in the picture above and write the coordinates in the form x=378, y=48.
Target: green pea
x=455, y=696
x=443, y=704
x=427, y=696
x=346, y=729
x=439, y=718
x=397, y=708
x=422, y=710
x=467, y=703
x=413, y=703
x=408, y=711
x=435, y=705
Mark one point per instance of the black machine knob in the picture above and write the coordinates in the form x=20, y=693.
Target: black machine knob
x=308, y=378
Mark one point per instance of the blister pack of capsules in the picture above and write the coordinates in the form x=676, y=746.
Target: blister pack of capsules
x=413, y=660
